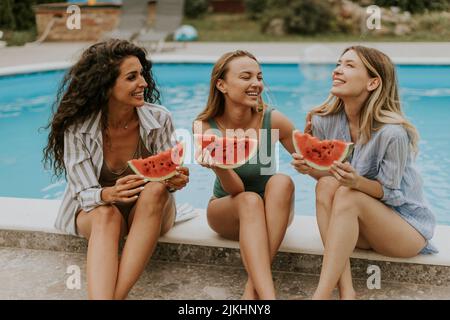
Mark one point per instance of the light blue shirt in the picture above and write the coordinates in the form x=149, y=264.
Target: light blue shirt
x=387, y=158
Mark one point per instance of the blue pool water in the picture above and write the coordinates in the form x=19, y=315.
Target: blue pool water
x=25, y=102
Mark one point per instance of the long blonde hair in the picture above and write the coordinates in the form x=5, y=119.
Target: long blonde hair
x=216, y=100
x=383, y=104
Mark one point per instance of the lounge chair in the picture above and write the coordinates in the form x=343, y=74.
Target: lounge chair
x=169, y=15
x=132, y=20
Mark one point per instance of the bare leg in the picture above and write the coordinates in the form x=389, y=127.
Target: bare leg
x=103, y=227
x=242, y=218
x=325, y=190
x=278, y=202
x=153, y=209
x=386, y=232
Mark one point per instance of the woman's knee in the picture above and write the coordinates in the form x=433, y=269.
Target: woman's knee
x=282, y=183
x=326, y=188
x=249, y=204
x=345, y=200
x=154, y=192
x=105, y=217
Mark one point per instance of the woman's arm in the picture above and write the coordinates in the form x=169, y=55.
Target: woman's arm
x=80, y=172
x=347, y=176
x=230, y=181
x=284, y=127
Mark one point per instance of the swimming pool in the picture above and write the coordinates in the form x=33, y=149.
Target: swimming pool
x=25, y=102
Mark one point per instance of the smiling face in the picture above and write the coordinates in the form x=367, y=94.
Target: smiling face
x=243, y=82
x=351, y=78
x=130, y=84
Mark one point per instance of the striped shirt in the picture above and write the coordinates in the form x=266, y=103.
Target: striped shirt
x=83, y=159
x=387, y=158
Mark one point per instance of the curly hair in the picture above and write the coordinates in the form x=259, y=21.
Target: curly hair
x=85, y=89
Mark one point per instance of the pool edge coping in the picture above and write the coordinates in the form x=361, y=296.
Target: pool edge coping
x=64, y=64
x=302, y=236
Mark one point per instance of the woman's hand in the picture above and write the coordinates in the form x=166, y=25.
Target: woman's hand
x=300, y=164
x=179, y=180
x=345, y=174
x=206, y=160
x=125, y=190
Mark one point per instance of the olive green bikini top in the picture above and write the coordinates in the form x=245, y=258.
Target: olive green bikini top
x=254, y=174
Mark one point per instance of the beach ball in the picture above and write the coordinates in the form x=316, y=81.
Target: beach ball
x=185, y=33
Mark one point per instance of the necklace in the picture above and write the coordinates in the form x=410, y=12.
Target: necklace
x=124, y=126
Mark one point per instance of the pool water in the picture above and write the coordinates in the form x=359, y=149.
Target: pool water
x=25, y=106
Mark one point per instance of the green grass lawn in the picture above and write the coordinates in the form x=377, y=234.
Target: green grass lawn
x=215, y=27
x=238, y=28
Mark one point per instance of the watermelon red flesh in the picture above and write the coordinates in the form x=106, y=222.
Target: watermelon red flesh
x=228, y=152
x=161, y=166
x=320, y=154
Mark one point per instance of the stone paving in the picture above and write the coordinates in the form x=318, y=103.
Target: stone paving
x=42, y=274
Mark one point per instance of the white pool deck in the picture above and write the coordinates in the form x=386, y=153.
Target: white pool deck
x=49, y=56
x=303, y=235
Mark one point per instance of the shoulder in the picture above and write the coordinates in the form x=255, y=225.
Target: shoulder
x=393, y=132
x=159, y=112
x=155, y=107
x=325, y=121
x=200, y=126
x=84, y=126
x=278, y=119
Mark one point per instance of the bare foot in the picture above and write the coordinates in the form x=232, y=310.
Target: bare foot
x=347, y=295
x=249, y=292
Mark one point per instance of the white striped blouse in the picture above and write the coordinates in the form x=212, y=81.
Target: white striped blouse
x=83, y=159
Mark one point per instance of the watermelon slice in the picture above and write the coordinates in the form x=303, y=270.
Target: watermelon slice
x=320, y=154
x=227, y=152
x=161, y=166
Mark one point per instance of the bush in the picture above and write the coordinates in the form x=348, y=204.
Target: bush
x=7, y=20
x=24, y=15
x=195, y=8
x=301, y=16
x=19, y=15
x=255, y=8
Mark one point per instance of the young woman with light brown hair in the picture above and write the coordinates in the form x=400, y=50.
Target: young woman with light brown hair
x=252, y=204
x=374, y=201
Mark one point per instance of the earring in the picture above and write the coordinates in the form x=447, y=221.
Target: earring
x=260, y=107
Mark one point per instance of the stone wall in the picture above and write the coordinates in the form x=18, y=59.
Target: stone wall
x=95, y=20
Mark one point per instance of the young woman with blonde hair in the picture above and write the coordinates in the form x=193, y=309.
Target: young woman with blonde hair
x=253, y=203
x=374, y=201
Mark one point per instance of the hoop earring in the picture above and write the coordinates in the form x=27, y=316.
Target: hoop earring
x=260, y=107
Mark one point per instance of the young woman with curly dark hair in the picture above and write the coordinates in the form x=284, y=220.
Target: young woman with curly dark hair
x=106, y=115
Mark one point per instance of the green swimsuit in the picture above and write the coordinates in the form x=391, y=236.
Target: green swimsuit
x=254, y=175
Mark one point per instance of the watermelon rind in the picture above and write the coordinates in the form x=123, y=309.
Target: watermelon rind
x=198, y=138
x=168, y=176
x=347, y=151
